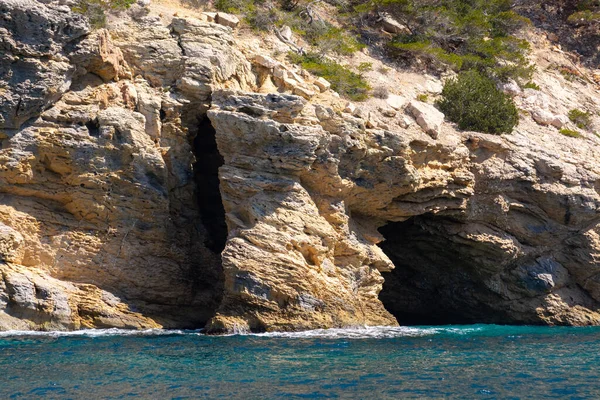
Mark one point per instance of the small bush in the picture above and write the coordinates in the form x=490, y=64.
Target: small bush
x=582, y=119
x=234, y=6
x=570, y=132
x=381, y=92
x=332, y=39
x=531, y=85
x=423, y=97
x=473, y=101
x=583, y=17
x=347, y=83
x=570, y=74
x=364, y=67
x=95, y=10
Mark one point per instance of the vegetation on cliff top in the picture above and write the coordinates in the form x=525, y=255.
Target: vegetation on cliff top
x=460, y=34
x=473, y=101
x=95, y=10
x=347, y=83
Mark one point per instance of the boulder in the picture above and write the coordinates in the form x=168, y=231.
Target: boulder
x=545, y=117
x=428, y=117
x=350, y=108
x=322, y=84
x=304, y=92
x=387, y=112
x=511, y=88
x=542, y=117
x=559, y=121
x=210, y=16
x=390, y=25
x=286, y=33
x=396, y=102
x=434, y=86
x=266, y=61
x=227, y=20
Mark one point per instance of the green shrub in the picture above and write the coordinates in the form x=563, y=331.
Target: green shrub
x=473, y=101
x=235, y=6
x=531, y=85
x=332, y=39
x=364, y=67
x=347, y=83
x=459, y=34
x=95, y=10
x=423, y=97
x=584, y=17
x=570, y=132
x=582, y=119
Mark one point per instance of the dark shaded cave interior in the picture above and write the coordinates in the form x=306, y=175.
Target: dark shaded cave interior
x=434, y=283
x=206, y=176
x=209, y=233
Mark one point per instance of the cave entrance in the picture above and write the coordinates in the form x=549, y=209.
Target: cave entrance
x=209, y=233
x=206, y=176
x=435, y=282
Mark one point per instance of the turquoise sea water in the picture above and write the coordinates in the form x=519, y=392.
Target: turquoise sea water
x=477, y=361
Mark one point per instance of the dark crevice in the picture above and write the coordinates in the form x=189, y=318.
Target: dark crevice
x=206, y=176
x=434, y=283
x=93, y=127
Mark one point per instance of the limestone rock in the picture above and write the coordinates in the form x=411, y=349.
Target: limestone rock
x=227, y=19
x=98, y=55
x=396, y=102
x=11, y=243
x=388, y=112
x=319, y=240
x=511, y=88
x=428, y=117
x=265, y=61
x=544, y=117
x=390, y=25
x=434, y=86
x=559, y=121
x=34, y=68
x=286, y=32
x=322, y=84
x=306, y=93
x=177, y=196
x=210, y=16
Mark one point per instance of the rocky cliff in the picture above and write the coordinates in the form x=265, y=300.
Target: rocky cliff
x=168, y=173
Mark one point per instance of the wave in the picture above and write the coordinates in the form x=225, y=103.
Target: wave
x=363, y=332
x=99, y=332
x=367, y=332
x=373, y=332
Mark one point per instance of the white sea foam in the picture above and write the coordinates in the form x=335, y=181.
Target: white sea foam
x=371, y=332
x=98, y=332
x=366, y=332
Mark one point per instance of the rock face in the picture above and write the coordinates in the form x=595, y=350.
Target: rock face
x=304, y=192
x=144, y=182
x=100, y=209
x=35, y=41
x=524, y=251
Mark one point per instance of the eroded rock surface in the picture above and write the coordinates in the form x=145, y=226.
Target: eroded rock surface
x=114, y=144
x=305, y=190
x=100, y=223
